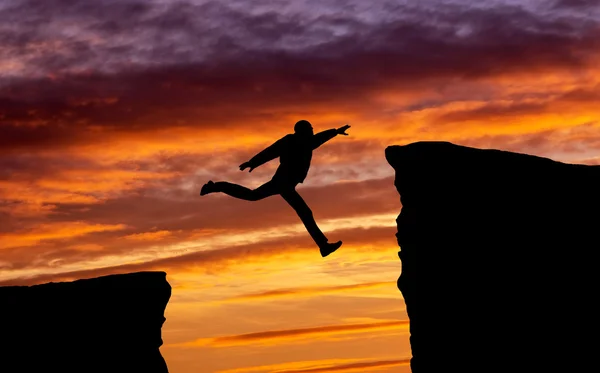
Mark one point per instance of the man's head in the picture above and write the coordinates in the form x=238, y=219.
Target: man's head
x=303, y=127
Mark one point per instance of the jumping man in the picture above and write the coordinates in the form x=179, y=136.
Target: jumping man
x=295, y=153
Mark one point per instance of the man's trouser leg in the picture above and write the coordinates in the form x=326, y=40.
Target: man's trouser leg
x=295, y=200
x=267, y=189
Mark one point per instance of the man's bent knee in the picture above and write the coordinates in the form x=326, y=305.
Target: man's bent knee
x=256, y=195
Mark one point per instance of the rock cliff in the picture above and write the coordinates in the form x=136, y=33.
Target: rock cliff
x=506, y=245
x=106, y=324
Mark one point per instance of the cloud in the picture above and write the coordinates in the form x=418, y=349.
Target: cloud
x=591, y=161
x=84, y=37
x=578, y=4
x=352, y=367
x=53, y=231
x=210, y=261
x=64, y=185
x=308, y=291
x=575, y=101
x=148, y=236
x=153, y=209
x=352, y=198
x=569, y=143
x=328, y=365
x=283, y=336
x=248, y=70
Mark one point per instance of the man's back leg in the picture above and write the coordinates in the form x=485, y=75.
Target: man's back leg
x=239, y=191
x=304, y=212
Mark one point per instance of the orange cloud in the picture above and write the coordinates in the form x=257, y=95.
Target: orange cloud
x=376, y=239
x=100, y=180
x=290, y=335
x=353, y=367
x=28, y=200
x=148, y=236
x=192, y=228
x=54, y=231
x=309, y=291
x=325, y=365
x=33, y=195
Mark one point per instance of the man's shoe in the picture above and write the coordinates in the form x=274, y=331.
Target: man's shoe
x=207, y=188
x=328, y=248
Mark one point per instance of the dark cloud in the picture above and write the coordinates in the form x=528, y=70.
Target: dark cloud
x=187, y=69
x=576, y=3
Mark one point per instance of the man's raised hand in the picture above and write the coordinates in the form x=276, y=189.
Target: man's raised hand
x=245, y=165
x=342, y=130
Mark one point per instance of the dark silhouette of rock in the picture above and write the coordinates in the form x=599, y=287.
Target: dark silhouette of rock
x=506, y=245
x=106, y=324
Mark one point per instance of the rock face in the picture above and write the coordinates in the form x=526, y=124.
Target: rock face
x=506, y=245
x=106, y=324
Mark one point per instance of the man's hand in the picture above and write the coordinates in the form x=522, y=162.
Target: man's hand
x=342, y=130
x=245, y=165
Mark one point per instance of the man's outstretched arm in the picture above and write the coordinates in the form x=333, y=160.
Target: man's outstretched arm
x=322, y=137
x=264, y=156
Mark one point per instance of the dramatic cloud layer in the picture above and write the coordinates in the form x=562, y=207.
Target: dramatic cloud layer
x=354, y=367
x=281, y=336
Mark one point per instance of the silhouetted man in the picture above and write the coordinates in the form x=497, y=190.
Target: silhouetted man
x=295, y=153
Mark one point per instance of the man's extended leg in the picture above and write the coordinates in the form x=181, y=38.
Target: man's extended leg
x=241, y=192
x=295, y=200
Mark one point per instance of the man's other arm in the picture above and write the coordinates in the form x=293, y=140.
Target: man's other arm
x=322, y=137
x=266, y=155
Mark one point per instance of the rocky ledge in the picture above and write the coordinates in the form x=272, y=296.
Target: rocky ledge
x=506, y=244
x=106, y=324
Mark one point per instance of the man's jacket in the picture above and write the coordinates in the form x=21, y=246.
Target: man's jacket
x=295, y=153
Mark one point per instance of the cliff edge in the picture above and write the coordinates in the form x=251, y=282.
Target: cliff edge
x=106, y=324
x=506, y=245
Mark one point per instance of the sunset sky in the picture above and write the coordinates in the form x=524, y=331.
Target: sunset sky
x=113, y=114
